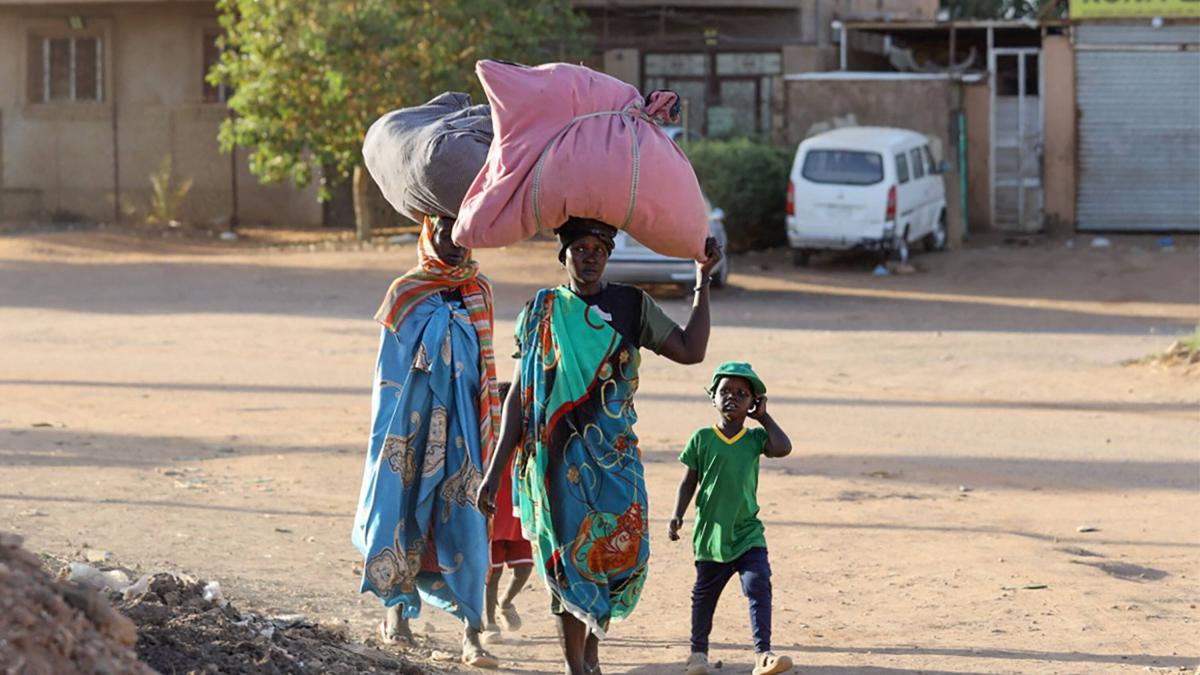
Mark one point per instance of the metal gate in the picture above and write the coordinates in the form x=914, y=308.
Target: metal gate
x=1138, y=95
x=1016, y=131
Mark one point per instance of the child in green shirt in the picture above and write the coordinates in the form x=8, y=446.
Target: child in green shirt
x=723, y=461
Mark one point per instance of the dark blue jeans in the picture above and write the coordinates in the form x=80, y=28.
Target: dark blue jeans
x=755, y=572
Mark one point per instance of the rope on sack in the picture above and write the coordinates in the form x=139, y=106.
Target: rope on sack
x=661, y=104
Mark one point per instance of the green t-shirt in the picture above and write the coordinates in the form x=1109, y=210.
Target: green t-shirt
x=727, y=523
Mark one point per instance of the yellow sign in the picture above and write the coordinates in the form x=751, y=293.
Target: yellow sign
x=1119, y=9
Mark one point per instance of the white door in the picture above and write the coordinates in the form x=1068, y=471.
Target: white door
x=937, y=189
x=1016, y=159
x=909, y=195
x=925, y=177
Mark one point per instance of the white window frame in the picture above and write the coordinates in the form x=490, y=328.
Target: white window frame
x=45, y=69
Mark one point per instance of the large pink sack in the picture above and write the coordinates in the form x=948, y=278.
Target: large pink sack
x=573, y=142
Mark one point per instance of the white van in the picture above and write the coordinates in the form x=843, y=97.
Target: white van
x=865, y=187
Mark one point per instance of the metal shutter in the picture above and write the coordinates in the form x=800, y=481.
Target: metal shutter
x=1139, y=130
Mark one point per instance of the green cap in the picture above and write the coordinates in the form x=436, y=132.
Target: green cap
x=738, y=369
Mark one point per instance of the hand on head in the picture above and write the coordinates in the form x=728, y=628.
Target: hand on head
x=759, y=409
x=713, y=255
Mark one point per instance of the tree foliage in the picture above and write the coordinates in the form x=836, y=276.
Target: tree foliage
x=747, y=178
x=310, y=76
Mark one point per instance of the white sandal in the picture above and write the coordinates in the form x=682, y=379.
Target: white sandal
x=767, y=663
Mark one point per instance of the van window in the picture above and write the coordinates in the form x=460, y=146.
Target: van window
x=929, y=159
x=918, y=163
x=901, y=169
x=843, y=167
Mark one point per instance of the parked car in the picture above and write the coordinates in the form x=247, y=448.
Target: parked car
x=633, y=263
x=675, y=133
x=869, y=188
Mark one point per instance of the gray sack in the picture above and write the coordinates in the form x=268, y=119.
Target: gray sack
x=425, y=158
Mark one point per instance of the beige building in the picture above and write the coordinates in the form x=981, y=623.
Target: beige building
x=996, y=97
x=726, y=57
x=1089, y=125
x=95, y=94
x=93, y=97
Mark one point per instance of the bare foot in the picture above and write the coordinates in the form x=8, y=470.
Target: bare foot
x=473, y=652
x=394, y=628
x=510, y=620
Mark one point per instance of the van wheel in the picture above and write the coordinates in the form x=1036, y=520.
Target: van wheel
x=936, y=240
x=800, y=257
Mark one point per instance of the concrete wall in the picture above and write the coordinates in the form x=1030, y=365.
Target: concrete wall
x=660, y=25
x=625, y=65
x=887, y=9
x=925, y=106
x=48, y=145
x=666, y=29
x=153, y=75
x=809, y=59
x=978, y=103
x=1059, y=158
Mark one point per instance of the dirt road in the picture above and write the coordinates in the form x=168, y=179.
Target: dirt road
x=204, y=409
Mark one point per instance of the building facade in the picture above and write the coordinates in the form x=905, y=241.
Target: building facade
x=726, y=58
x=95, y=95
x=1137, y=90
x=1090, y=124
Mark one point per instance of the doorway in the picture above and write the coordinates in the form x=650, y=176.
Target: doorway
x=1016, y=138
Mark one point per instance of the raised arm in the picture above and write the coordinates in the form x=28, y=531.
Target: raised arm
x=689, y=345
x=511, y=422
x=687, y=489
x=778, y=444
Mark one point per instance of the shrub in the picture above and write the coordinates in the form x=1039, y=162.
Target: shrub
x=747, y=178
x=166, y=196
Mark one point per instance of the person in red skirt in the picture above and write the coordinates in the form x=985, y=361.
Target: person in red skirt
x=509, y=549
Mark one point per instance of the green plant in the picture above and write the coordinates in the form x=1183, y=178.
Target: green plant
x=1191, y=342
x=747, y=178
x=1183, y=352
x=165, y=196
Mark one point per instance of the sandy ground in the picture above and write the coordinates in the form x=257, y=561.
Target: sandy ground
x=204, y=408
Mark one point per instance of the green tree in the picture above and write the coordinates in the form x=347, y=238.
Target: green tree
x=310, y=76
